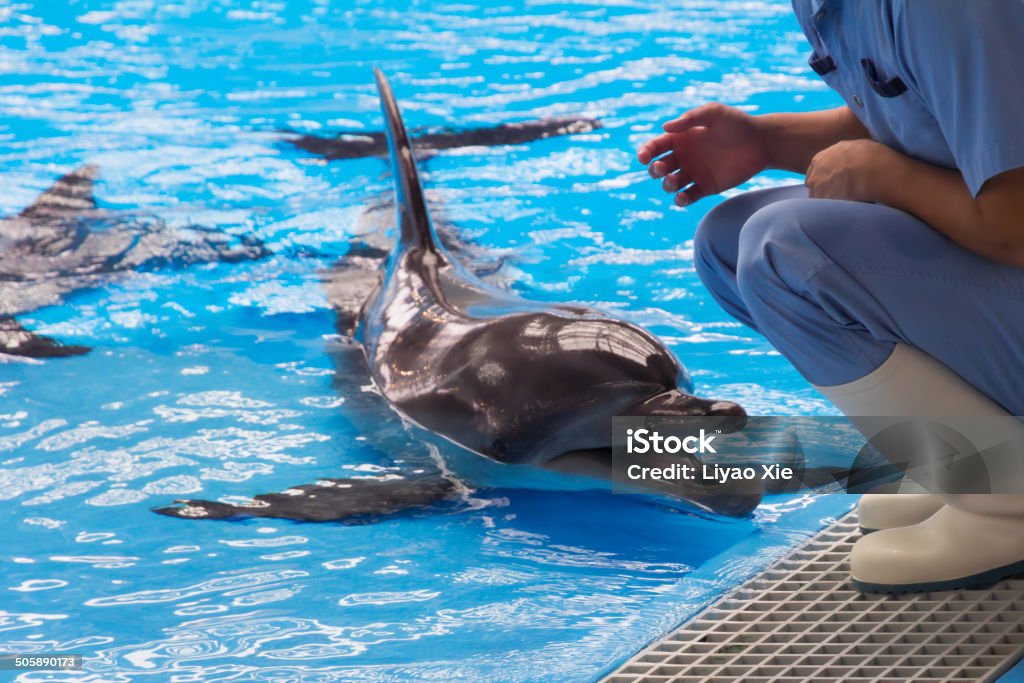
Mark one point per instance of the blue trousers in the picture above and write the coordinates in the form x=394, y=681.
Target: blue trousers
x=835, y=285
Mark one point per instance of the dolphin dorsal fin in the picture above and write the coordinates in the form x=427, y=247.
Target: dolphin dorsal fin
x=413, y=216
x=72, y=192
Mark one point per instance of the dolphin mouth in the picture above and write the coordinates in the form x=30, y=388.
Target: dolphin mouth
x=725, y=415
x=681, y=414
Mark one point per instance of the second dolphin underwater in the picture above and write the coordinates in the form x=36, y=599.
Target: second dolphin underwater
x=64, y=243
x=515, y=381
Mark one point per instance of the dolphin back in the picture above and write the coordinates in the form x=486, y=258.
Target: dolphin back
x=413, y=217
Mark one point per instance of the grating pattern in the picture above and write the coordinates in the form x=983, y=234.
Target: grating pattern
x=800, y=621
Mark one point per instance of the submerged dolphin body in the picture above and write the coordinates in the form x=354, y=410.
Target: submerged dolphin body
x=515, y=381
x=359, y=144
x=63, y=243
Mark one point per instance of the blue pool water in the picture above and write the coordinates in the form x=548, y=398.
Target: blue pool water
x=215, y=381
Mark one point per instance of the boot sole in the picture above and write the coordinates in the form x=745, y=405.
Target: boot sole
x=982, y=580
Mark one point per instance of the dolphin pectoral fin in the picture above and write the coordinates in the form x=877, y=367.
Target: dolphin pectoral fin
x=329, y=500
x=15, y=340
x=345, y=145
x=203, y=509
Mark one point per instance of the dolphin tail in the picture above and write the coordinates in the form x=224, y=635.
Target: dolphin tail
x=329, y=500
x=414, y=219
x=15, y=340
x=72, y=192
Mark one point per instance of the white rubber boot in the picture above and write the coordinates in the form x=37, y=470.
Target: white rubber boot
x=974, y=539
x=880, y=511
x=955, y=548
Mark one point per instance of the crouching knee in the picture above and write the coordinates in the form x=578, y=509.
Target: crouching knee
x=778, y=248
x=714, y=248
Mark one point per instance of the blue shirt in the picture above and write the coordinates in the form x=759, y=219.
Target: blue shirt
x=939, y=80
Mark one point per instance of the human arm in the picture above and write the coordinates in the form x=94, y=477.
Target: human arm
x=715, y=147
x=990, y=224
x=793, y=140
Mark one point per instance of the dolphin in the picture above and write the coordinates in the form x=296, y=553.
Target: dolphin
x=64, y=243
x=360, y=144
x=512, y=381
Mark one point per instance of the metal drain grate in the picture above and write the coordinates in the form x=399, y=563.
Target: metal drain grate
x=800, y=620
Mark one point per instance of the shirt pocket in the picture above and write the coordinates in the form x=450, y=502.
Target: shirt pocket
x=822, y=64
x=896, y=115
x=825, y=66
x=888, y=88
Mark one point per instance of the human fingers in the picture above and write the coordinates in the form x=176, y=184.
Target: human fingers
x=812, y=179
x=663, y=166
x=654, y=148
x=811, y=187
x=690, y=195
x=673, y=182
x=704, y=115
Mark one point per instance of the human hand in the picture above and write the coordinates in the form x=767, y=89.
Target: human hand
x=851, y=170
x=710, y=149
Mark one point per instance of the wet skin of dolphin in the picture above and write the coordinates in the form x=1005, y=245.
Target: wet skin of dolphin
x=509, y=379
x=63, y=243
